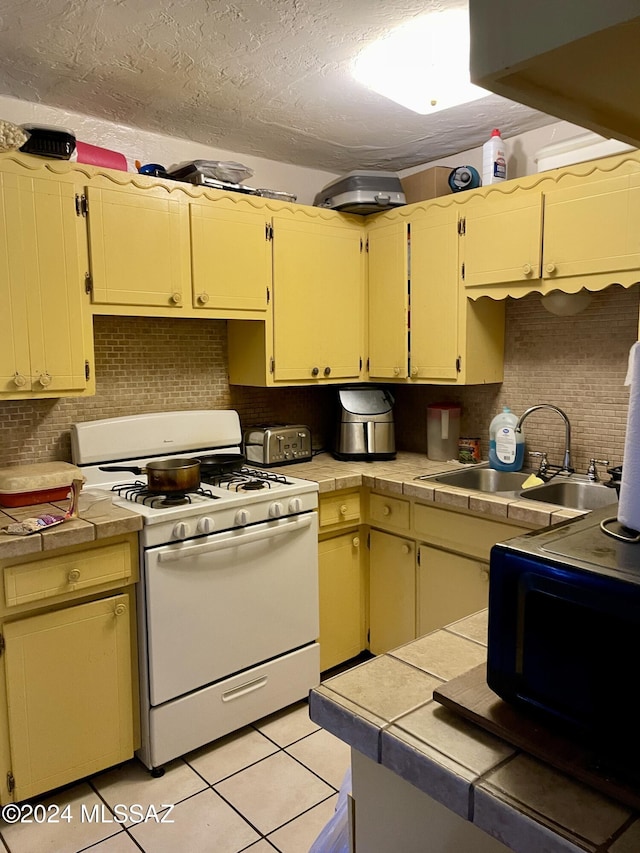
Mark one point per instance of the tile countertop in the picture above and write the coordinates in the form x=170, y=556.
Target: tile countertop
x=399, y=476
x=384, y=708
x=76, y=531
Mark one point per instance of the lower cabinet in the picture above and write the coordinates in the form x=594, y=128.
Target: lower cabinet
x=448, y=587
x=392, y=591
x=342, y=599
x=68, y=694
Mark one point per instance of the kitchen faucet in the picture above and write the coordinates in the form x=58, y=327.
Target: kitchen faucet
x=566, y=465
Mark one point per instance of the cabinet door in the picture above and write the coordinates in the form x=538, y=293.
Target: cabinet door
x=139, y=248
x=341, y=600
x=230, y=256
x=392, y=592
x=449, y=587
x=69, y=693
x=501, y=239
x=593, y=228
x=318, y=288
x=435, y=322
x=41, y=322
x=388, y=301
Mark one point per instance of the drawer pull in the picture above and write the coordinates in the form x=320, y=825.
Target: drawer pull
x=356, y=541
x=74, y=576
x=406, y=549
x=120, y=609
x=343, y=509
x=386, y=510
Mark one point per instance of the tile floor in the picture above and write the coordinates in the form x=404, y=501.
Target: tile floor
x=271, y=786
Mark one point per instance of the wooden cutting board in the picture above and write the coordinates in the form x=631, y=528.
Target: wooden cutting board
x=470, y=696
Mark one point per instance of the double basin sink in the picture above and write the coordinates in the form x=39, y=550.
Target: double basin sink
x=573, y=492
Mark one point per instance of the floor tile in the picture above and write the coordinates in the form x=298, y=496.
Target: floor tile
x=226, y=756
x=273, y=791
x=67, y=836
x=325, y=754
x=131, y=783
x=300, y=834
x=287, y=726
x=120, y=843
x=202, y=824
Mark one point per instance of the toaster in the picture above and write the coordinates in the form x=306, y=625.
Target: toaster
x=278, y=444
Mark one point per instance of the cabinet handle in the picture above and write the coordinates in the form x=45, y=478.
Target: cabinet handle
x=327, y=371
x=120, y=609
x=73, y=576
x=44, y=379
x=356, y=541
x=485, y=574
x=19, y=380
x=203, y=298
x=315, y=371
x=406, y=549
x=343, y=509
x=176, y=298
x=414, y=371
x=386, y=510
x=550, y=268
x=527, y=269
x=396, y=371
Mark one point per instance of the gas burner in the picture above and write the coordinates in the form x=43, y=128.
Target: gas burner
x=138, y=492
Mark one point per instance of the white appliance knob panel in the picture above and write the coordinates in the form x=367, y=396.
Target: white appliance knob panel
x=206, y=525
x=295, y=505
x=242, y=517
x=181, y=530
x=275, y=510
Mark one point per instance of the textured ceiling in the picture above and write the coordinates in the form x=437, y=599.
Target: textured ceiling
x=268, y=78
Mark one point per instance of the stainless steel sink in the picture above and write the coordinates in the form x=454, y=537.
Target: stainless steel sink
x=573, y=493
x=484, y=479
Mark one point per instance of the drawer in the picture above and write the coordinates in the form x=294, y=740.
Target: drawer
x=465, y=534
x=393, y=512
x=339, y=509
x=66, y=573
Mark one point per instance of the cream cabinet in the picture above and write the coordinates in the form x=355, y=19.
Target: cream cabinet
x=342, y=571
x=392, y=591
x=68, y=694
x=315, y=331
x=448, y=587
x=46, y=347
x=422, y=326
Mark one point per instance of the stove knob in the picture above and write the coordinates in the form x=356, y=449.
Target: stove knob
x=181, y=530
x=275, y=510
x=206, y=525
x=242, y=517
x=295, y=505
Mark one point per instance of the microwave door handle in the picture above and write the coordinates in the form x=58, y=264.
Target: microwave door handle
x=298, y=523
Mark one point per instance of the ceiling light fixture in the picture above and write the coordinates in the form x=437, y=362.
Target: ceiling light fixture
x=422, y=65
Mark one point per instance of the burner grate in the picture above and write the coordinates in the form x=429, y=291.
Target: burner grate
x=247, y=480
x=138, y=492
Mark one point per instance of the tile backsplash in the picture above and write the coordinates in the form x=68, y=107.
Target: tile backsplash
x=143, y=365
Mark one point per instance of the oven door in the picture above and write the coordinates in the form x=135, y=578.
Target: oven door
x=220, y=604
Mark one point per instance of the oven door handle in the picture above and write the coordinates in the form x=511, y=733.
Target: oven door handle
x=299, y=523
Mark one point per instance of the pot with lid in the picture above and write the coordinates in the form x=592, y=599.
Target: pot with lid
x=365, y=428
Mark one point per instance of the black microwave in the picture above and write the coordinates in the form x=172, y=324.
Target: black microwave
x=564, y=633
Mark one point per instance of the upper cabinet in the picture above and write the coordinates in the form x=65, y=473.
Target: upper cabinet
x=45, y=326
x=422, y=325
x=577, y=60
x=315, y=330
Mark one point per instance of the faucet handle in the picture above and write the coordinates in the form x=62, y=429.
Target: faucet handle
x=592, y=471
x=544, y=462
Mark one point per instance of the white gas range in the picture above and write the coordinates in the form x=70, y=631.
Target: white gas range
x=228, y=596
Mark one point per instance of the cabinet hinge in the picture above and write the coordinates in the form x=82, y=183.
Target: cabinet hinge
x=88, y=283
x=369, y=541
x=272, y=365
x=268, y=296
x=11, y=782
x=367, y=365
x=368, y=636
x=418, y=556
x=462, y=271
x=459, y=364
x=361, y=363
x=82, y=206
x=366, y=247
x=268, y=231
x=87, y=371
x=462, y=226
x=1, y=643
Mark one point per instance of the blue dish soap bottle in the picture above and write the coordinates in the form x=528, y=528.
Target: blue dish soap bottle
x=506, y=446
